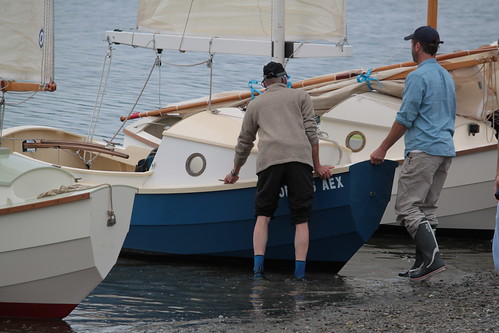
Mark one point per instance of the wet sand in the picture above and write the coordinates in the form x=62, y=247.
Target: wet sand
x=464, y=298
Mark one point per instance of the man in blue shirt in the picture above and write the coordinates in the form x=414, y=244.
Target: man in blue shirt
x=426, y=119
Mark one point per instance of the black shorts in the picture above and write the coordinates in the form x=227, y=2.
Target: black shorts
x=297, y=177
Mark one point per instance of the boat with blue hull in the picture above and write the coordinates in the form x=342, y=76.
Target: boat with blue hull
x=347, y=210
x=176, y=155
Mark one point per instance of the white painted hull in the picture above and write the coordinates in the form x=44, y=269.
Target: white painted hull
x=54, y=251
x=466, y=201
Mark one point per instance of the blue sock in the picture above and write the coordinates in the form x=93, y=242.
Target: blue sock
x=300, y=269
x=258, y=268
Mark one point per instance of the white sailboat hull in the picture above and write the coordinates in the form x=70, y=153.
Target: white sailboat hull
x=55, y=250
x=466, y=201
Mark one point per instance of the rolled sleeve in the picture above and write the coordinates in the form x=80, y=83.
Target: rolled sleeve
x=411, y=102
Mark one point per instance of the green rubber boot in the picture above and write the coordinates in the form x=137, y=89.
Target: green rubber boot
x=432, y=261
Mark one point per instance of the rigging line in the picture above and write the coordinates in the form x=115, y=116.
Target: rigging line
x=286, y=60
x=100, y=93
x=24, y=101
x=2, y=113
x=210, y=65
x=159, y=78
x=186, y=65
x=185, y=26
x=137, y=100
x=388, y=59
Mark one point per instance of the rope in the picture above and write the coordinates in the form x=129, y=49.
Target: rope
x=111, y=217
x=159, y=64
x=185, y=27
x=100, y=92
x=252, y=89
x=187, y=65
x=325, y=137
x=2, y=113
x=138, y=97
x=210, y=66
x=367, y=78
x=20, y=93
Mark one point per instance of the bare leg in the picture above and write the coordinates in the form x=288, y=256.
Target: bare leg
x=260, y=235
x=301, y=241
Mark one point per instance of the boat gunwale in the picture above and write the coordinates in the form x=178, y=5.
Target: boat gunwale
x=43, y=203
x=242, y=184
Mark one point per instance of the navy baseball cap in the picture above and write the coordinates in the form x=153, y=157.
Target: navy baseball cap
x=425, y=34
x=273, y=69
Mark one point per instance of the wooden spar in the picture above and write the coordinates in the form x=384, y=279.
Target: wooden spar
x=182, y=107
x=77, y=145
x=309, y=82
x=432, y=14
x=448, y=66
x=442, y=57
x=26, y=86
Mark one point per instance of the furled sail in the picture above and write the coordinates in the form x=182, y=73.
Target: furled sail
x=27, y=40
x=318, y=20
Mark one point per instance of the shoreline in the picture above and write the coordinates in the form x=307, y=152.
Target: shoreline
x=468, y=305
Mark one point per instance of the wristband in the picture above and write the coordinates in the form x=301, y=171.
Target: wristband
x=233, y=173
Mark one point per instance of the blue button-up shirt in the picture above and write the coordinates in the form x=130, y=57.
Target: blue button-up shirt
x=428, y=110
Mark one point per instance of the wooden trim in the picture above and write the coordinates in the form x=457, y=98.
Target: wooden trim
x=44, y=204
x=78, y=145
x=139, y=138
x=477, y=150
x=468, y=151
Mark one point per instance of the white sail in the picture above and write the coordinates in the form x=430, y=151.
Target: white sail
x=27, y=40
x=241, y=27
x=305, y=20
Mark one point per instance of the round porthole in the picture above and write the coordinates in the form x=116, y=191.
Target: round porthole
x=356, y=141
x=195, y=164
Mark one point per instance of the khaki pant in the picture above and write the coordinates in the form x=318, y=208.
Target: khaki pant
x=421, y=180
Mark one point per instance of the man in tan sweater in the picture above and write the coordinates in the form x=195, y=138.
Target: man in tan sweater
x=288, y=153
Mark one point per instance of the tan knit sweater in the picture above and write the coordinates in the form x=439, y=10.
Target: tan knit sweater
x=284, y=120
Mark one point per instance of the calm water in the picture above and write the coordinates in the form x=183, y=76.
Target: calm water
x=140, y=295
x=164, y=295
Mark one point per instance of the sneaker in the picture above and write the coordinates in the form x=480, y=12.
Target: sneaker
x=258, y=276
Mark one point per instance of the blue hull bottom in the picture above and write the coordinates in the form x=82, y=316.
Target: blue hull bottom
x=347, y=210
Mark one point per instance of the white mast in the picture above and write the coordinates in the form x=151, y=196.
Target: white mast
x=278, y=32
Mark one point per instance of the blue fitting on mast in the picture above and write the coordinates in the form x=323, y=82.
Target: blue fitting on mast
x=367, y=78
x=252, y=89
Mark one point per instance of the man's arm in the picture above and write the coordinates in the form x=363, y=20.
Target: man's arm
x=396, y=132
x=324, y=171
